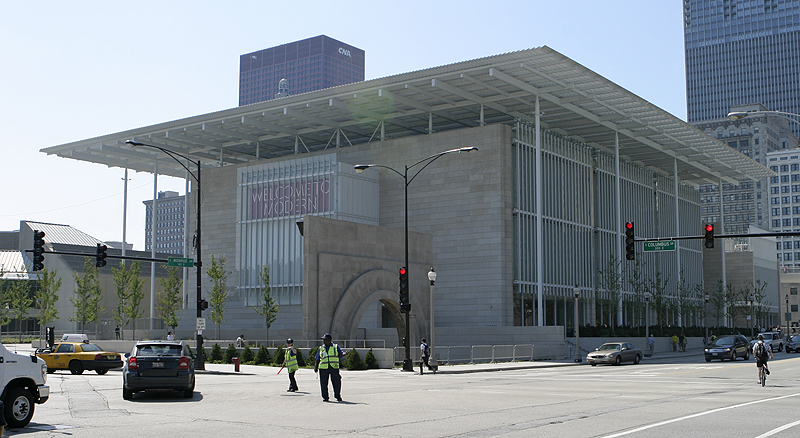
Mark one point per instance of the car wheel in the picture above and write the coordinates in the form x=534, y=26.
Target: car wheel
x=189, y=392
x=618, y=360
x=75, y=367
x=127, y=394
x=19, y=407
x=593, y=364
x=733, y=355
x=708, y=359
x=746, y=355
x=101, y=372
x=50, y=371
x=637, y=359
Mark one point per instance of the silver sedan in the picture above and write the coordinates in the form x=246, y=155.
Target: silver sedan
x=614, y=353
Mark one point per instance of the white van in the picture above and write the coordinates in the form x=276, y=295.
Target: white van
x=75, y=337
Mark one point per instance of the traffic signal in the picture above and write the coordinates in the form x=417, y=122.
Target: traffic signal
x=202, y=304
x=100, y=255
x=709, y=236
x=403, y=288
x=38, y=250
x=630, y=254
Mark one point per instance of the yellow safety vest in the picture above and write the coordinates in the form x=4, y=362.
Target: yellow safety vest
x=329, y=357
x=291, y=361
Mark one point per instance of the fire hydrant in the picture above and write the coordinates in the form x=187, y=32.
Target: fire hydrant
x=236, y=364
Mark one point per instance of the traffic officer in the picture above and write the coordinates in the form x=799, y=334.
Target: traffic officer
x=290, y=362
x=327, y=364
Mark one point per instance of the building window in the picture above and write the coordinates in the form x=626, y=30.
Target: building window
x=787, y=222
x=788, y=256
x=784, y=167
x=793, y=291
x=785, y=178
x=776, y=211
x=794, y=307
x=776, y=223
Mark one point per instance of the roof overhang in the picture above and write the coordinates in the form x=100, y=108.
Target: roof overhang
x=574, y=102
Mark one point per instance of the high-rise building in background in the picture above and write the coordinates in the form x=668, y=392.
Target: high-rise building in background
x=740, y=52
x=170, y=213
x=298, y=67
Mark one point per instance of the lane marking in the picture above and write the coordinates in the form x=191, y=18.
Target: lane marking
x=779, y=429
x=699, y=414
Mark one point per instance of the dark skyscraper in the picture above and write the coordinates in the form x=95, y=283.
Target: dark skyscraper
x=741, y=52
x=307, y=65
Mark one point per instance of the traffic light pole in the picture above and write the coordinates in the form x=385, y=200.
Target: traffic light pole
x=199, y=361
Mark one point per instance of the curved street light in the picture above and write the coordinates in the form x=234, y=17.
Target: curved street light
x=408, y=365
x=738, y=115
x=200, y=358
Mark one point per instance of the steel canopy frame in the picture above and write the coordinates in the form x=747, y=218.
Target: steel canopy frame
x=575, y=102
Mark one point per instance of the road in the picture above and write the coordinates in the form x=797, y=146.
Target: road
x=673, y=396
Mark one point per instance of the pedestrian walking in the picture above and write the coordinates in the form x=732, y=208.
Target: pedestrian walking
x=170, y=336
x=674, y=341
x=327, y=364
x=651, y=342
x=290, y=362
x=116, y=332
x=682, y=342
x=240, y=341
x=424, y=352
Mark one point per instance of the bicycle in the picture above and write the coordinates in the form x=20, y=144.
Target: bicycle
x=764, y=372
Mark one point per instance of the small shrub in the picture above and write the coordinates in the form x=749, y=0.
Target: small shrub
x=230, y=353
x=353, y=361
x=301, y=361
x=371, y=361
x=312, y=355
x=247, y=355
x=216, y=353
x=263, y=357
x=279, y=356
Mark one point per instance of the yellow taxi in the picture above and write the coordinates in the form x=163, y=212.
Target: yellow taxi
x=79, y=356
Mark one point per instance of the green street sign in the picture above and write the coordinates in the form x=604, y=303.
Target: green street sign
x=180, y=262
x=660, y=245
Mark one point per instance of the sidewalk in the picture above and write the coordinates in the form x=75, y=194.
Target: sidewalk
x=227, y=369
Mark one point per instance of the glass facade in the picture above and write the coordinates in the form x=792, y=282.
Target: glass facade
x=581, y=232
x=307, y=65
x=784, y=203
x=170, y=223
x=739, y=52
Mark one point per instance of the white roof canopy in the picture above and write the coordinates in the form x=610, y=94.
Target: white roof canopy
x=574, y=102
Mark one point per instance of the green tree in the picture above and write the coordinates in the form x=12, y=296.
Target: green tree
x=47, y=296
x=269, y=307
x=4, y=311
x=129, y=294
x=169, y=299
x=638, y=283
x=87, y=295
x=687, y=299
x=717, y=300
x=263, y=357
x=219, y=290
x=611, y=281
x=19, y=301
x=230, y=353
x=735, y=302
x=657, y=287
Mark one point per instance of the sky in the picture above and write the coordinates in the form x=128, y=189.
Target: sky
x=76, y=70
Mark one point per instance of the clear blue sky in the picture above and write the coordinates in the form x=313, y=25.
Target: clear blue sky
x=76, y=70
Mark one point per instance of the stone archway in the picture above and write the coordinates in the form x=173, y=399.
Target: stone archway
x=364, y=291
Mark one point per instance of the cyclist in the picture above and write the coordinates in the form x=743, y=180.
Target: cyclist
x=761, y=352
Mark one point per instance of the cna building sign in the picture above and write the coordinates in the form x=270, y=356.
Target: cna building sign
x=273, y=197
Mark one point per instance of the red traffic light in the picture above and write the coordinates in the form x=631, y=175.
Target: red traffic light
x=709, y=228
x=629, y=225
x=402, y=271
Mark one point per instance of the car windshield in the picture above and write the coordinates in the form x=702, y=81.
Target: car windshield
x=608, y=347
x=723, y=342
x=796, y=338
x=767, y=336
x=90, y=347
x=159, y=350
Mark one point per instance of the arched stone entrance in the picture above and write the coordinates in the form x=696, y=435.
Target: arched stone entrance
x=346, y=270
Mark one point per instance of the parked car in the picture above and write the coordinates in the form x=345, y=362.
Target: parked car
x=774, y=340
x=614, y=353
x=728, y=347
x=79, y=356
x=158, y=365
x=793, y=344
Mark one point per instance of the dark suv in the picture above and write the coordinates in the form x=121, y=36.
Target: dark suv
x=728, y=347
x=158, y=365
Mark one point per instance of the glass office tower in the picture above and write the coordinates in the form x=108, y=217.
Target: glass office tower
x=739, y=52
x=306, y=65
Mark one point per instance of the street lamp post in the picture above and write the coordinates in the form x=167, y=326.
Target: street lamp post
x=408, y=365
x=435, y=363
x=787, y=315
x=738, y=115
x=577, y=294
x=752, y=316
x=705, y=315
x=647, y=320
x=199, y=361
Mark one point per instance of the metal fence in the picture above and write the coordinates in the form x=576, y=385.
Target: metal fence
x=469, y=354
